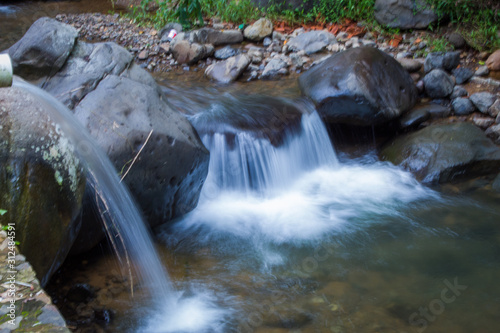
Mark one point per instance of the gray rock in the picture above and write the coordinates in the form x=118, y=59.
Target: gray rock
x=404, y=14
x=482, y=121
x=447, y=61
x=462, y=75
x=311, y=41
x=274, y=68
x=435, y=110
x=442, y=153
x=166, y=180
x=463, y=106
x=212, y=36
x=229, y=70
x=482, y=71
x=268, y=41
x=278, y=36
x=42, y=182
x=456, y=40
x=458, y=91
x=438, y=84
x=186, y=52
x=483, y=100
x=414, y=118
x=411, y=65
x=261, y=29
x=225, y=52
x=86, y=67
x=43, y=50
x=494, y=110
x=361, y=86
x=494, y=133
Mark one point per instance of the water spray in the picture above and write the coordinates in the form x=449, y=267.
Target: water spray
x=5, y=71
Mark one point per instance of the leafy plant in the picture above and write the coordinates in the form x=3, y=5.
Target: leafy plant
x=2, y=212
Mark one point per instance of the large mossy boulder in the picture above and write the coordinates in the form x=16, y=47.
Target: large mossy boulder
x=361, y=86
x=442, y=153
x=41, y=182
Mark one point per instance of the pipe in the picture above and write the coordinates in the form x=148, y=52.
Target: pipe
x=5, y=71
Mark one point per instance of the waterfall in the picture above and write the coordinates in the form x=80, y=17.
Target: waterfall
x=124, y=217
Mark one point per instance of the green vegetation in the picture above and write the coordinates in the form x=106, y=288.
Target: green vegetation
x=477, y=20
x=2, y=212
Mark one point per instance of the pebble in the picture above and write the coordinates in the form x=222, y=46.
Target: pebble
x=482, y=71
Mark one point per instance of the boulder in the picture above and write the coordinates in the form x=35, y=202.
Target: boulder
x=186, y=52
x=167, y=176
x=414, y=118
x=457, y=40
x=274, y=68
x=360, y=86
x=447, y=61
x=463, y=106
x=43, y=50
x=229, y=70
x=483, y=101
x=311, y=41
x=261, y=29
x=494, y=133
x=493, y=61
x=41, y=181
x=211, y=36
x=442, y=153
x=438, y=84
x=404, y=14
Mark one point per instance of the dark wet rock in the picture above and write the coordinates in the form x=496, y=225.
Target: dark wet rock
x=414, y=118
x=462, y=75
x=493, y=61
x=225, y=52
x=274, y=68
x=186, y=52
x=458, y=91
x=435, y=110
x=261, y=29
x=438, y=84
x=167, y=178
x=483, y=100
x=447, y=61
x=442, y=153
x=494, y=110
x=41, y=181
x=360, y=86
x=494, y=133
x=261, y=116
x=456, y=40
x=80, y=293
x=463, y=106
x=482, y=121
x=229, y=70
x=43, y=50
x=211, y=36
x=311, y=41
x=411, y=65
x=404, y=14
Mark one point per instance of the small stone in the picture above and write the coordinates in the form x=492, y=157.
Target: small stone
x=267, y=41
x=414, y=118
x=483, y=122
x=458, y=91
x=493, y=61
x=483, y=55
x=494, y=133
x=442, y=60
x=462, y=106
x=218, y=26
x=274, y=68
x=456, y=40
x=278, y=36
x=494, y=110
x=438, y=84
x=165, y=47
x=411, y=65
x=483, y=100
x=259, y=30
x=482, y=71
x=224, y=53
x=462, y=75
x=143, y=55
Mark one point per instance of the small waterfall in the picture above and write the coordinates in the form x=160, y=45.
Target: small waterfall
x=171, y=310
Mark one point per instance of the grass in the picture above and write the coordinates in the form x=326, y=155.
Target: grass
x=478, y=20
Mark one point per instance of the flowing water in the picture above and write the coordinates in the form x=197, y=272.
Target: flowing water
x=125, y=223
x=296, y=237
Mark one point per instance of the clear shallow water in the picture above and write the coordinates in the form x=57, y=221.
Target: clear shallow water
x=334, y=246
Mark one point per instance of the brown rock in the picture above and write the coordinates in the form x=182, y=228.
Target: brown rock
x=493, y=61
x=143, y=55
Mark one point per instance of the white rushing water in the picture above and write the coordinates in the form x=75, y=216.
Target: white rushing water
x=169, y=310
x=295, y=194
